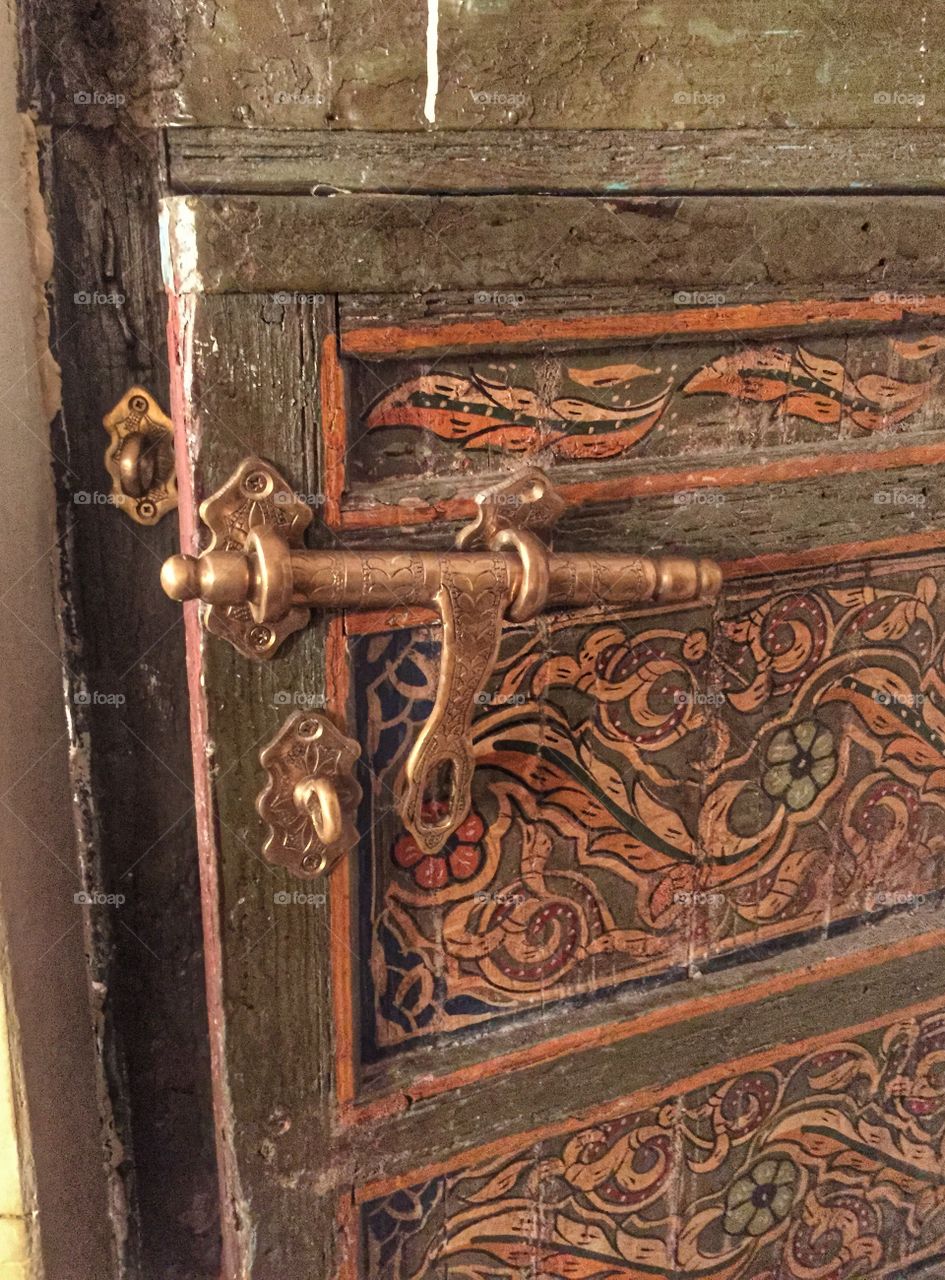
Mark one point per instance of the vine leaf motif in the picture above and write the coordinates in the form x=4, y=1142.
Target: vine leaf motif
x=479, y=412
x=804, y=384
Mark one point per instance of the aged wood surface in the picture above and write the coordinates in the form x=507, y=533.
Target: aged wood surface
x=127, y=702
x=255, y=388
x=305, y=1116
x=382, y=326
x=349, y=243
x=735, y=1167
x=595, y=161
x=350, y=64
x=592, y=799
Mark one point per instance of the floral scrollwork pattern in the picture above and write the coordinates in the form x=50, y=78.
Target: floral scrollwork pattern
x=824, y=1165
x=652, y=793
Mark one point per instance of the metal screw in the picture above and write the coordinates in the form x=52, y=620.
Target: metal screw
x=260, y=637
x=138, y=404
x=256, y=482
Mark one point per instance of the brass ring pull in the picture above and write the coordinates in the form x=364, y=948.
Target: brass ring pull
x=136, y=466
x=532, y=595
x=140, y=457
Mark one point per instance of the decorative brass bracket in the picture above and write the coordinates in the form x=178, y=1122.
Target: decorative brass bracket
x=140, y=457
x=259, y=586
x=311, y=795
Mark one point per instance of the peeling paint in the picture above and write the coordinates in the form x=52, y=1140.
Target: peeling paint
x=41, y=247
x=433, y=60
x=179, y=246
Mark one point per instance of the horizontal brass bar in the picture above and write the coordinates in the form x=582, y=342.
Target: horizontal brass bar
x=260, y=584
x=272, y=578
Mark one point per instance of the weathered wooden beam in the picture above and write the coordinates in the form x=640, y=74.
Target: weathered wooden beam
x=562, y=161
x=412, y=244
x=351, y=64
x=127, y=690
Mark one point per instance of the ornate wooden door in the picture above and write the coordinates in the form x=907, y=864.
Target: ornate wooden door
x=669, y=1003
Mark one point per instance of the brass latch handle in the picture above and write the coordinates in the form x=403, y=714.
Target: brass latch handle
x=260, y=585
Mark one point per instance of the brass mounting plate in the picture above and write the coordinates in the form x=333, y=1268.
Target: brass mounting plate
x=254, y=497
x=311, y=795
x=140, y=457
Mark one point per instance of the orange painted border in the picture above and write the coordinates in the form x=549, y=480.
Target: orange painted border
x=652, y=484
x=341, y=891
x=334, y=430
x=839, y=553
x=384, y=341
x=639, y=1100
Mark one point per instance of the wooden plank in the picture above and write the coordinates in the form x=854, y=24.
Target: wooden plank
x=351, y=64
x=285, y=1036
x=384, y=326
x=745, y=523
x=567, y=162
x=351, y=243
x=494, y=1108
x=253, y=386
x=692, y=1165
x=127, y=696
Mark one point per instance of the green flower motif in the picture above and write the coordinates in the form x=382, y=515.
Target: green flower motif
x=801, y=760
x=761, y=1199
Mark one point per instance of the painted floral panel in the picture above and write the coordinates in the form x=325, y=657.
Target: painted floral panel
x=824, y=1164
x=656, y=794
x=452, y=414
